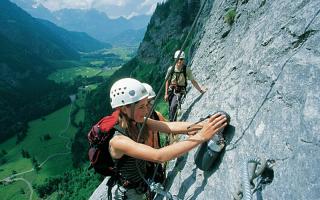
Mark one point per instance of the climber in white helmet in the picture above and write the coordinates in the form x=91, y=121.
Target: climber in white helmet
x=154, y=137
x=130, y=97
x=176, y=84
x=154, y=141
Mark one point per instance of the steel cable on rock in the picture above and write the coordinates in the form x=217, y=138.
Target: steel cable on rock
x=158, y=94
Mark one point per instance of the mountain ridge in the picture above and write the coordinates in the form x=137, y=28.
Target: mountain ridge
x=28, y=47
x=95, y=23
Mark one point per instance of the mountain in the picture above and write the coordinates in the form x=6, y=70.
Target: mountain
x=28, y=46
x=129, y=37
x=92, y=22
x=35, y=9
x=80, y=41
x=24, y=30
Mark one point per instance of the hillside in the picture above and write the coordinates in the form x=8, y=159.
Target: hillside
x=80, y=41
x=260, y=62
x=22, y=29
x=28, y=47
x=93, y=22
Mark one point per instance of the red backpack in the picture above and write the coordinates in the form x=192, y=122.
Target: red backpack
x=99, y=137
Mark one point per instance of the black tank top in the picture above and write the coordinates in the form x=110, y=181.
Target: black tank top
x=127, y=166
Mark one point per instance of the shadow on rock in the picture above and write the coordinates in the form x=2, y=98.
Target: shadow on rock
x=229, y=134
x=200, y=189
x=202, y=156
x=179, y=165
x=187, y=183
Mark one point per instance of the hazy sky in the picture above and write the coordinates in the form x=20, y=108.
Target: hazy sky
x=113, y=8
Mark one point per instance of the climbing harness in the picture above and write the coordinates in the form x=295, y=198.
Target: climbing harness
x=263, y=173
x=180, y=100
x=159, y=190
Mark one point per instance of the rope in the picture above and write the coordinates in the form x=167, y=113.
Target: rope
x=248, y=175
x=162, y=86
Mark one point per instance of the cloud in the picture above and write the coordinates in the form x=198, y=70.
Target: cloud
x=113, y=8
x=61, y=4
x=152, y=9
x=132, y=15
x=147, y=2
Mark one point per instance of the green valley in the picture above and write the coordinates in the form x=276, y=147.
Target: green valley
x=49, y=154
x=45, y=152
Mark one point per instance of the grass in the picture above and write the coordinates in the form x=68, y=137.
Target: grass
x=54, y=124
x=106, y=72
x=68, y=74
x=79, y=116
x=97, y=63
x=91, y=64
x=125, y=53
x=230, y=16
x=13, y=191
x=64, y=63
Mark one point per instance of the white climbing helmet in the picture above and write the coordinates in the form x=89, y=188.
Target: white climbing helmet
x=148, y=87
x=176, y=54
x=127, y=91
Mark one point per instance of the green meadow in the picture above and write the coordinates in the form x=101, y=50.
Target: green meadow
x=91, y=64
x=69, y=74
x=125, y=53
x=48, y=139
x=55, y=151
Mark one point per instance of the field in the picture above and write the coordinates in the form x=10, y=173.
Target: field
x=69, y=74
x=101, y=63
x=48, y=139
x=48, y=153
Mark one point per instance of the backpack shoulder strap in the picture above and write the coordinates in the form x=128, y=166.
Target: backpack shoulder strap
x=118, y=128
x=184, y=71
x=170, y=74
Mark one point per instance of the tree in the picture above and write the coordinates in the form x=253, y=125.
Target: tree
x=3, y=161
x=4, y=152
x=35, y=164
x=47, y=137
x=22, y=191
x=25, y=153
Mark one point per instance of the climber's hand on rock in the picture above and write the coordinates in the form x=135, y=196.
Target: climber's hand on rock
x=214, y=124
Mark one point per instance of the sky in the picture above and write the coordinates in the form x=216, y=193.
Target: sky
x=113, y=8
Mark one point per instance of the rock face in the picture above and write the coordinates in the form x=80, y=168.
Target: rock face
x=264, y=70
x=266, y=74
